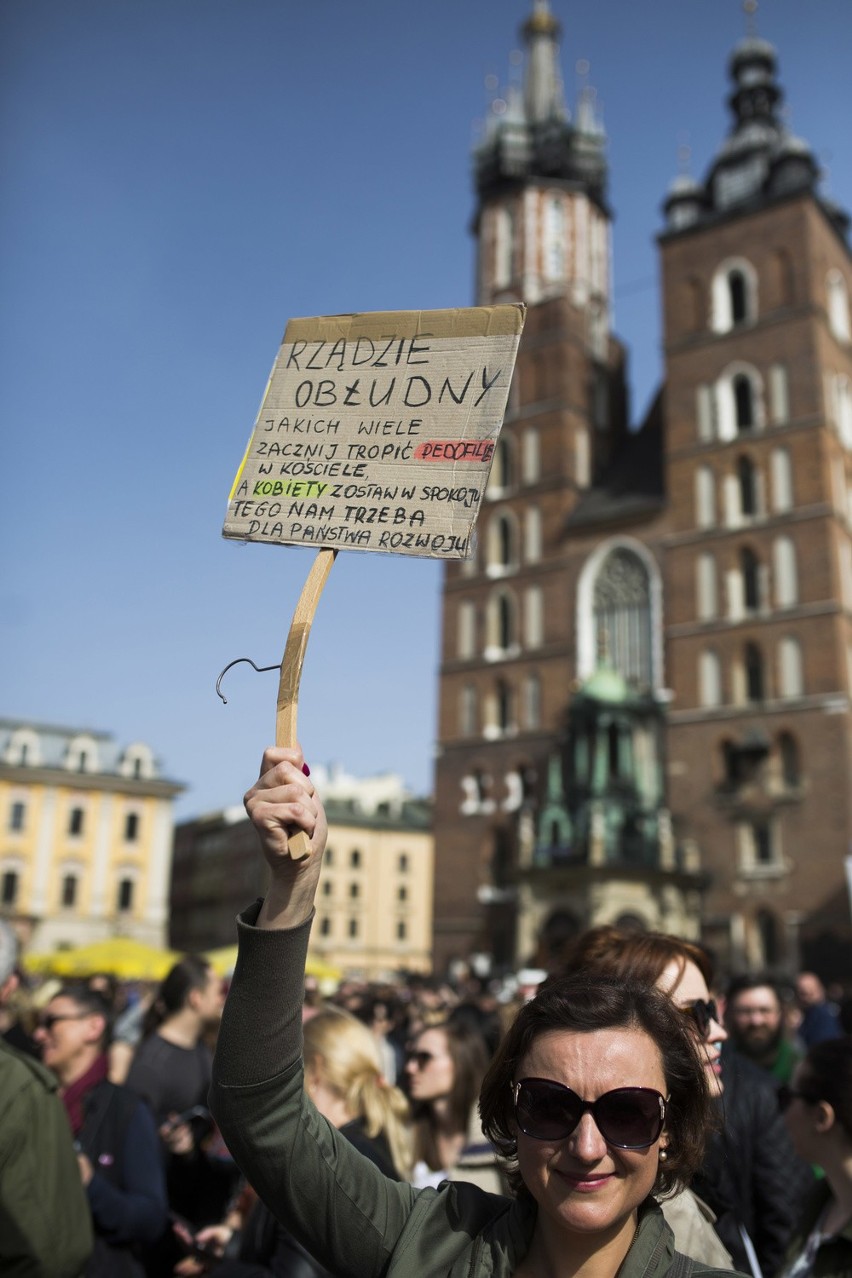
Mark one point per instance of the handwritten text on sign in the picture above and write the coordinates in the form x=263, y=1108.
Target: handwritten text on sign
x=377, y=431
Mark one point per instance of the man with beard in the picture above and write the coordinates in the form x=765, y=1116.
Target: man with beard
x=754, y=1019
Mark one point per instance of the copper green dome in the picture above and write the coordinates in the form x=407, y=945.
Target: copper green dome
x=607, y=685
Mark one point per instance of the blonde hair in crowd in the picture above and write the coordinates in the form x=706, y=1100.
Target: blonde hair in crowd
x=346, y=1054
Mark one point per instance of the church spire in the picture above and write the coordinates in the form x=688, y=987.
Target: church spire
x=543, y=95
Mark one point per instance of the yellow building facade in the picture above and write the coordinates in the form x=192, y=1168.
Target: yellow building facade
x=85, y=837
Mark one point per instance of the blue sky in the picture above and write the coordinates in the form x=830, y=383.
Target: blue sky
x=181, y=177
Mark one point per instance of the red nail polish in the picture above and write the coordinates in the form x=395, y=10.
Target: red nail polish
x=306, y=770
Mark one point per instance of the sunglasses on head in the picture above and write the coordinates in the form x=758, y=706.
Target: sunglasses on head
x=702, y=1011
x=786, y=1096
x=628, y=1117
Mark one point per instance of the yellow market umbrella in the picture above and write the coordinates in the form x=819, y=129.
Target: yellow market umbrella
x=224, y=961
x=121, y=956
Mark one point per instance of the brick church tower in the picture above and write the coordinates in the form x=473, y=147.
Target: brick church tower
x=645, y=666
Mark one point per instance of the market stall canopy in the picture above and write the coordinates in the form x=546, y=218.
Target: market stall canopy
x=120, y=956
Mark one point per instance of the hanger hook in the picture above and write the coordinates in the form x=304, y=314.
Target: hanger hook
x=236, y=662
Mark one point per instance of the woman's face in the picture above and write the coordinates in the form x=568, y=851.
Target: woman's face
x=581, y=1183
x=429, y=1067
x=684, y=985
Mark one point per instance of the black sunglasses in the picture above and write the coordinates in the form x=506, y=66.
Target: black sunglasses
x=786, y=1096
x=50, y=1019
x=420, y=1059
x=628, y=1117
x=702, y=1011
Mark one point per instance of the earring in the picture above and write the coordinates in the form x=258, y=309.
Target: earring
x=664, y=1153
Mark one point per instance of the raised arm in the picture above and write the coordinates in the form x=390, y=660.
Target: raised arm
x=283, y=799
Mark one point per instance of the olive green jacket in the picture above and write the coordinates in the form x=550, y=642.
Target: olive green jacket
x=351, y=1217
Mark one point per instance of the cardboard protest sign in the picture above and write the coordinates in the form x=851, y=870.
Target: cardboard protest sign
x=377, y=431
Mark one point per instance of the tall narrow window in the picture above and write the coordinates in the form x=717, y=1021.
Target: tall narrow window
x=503, y=698
x=788, y=751
x=582, y=460
x=622, y=615
x=533, y=617
x=131, y=827
x=124, y=899
x=782, y=480
x=790, y=667
x=754, y=681
x=747, y=487
x=706, y=413
x=779, y=395
x=532, y=701
x=75, y=821
x=17, y=816
x=707, y=592
x=468, y=711
x=555, y=231
x=466, y=629
x=69, y=891
x=709, y=679
x=9, y=887
x=738, y=297
x=838, y=305
x=500, y=478
x=750, y=572
x=786, y=575
x=532, y=535
x=530, y=457
x=504, y=235
x=705, y=497
x=743, y=402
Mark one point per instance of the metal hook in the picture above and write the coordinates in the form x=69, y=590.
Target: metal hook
x=236, y=662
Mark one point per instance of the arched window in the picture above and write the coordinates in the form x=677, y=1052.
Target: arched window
x=790, y=681
x=137, y=762
x=734, y=295
x=709, y=679
x=786, y=575
x=739, y=400
x=743, y=402
x=738, y=297
x=838, y=305
x=750, y=574
x=622, y=615
x=23, y=748
x=753, y=667
x=502, y=624
x=502, y=544
x=82, y=754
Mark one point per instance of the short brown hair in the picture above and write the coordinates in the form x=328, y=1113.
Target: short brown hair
x=634, y=956
x=581, y=1003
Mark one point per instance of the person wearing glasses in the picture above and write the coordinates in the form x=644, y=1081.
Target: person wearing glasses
x=115, y=1137
x=817, y=1108
x=750, y=1178
x=597, y=1097
x=444, y=1072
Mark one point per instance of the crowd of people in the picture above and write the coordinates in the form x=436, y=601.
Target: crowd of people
x=635, y=1115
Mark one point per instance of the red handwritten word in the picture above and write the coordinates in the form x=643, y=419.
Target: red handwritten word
x=463, y=450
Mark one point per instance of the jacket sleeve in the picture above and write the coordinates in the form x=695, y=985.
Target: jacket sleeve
x=332, y=1198
x=45, y=1227
x=137, y=1211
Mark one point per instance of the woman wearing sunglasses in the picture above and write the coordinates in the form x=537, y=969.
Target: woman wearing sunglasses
x=750, y=1176
x=443, y=1075
x=597, y=1096
x=818, y=1111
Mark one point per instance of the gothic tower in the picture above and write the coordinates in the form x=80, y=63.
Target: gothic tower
x=557, y=564
x=756, y=278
